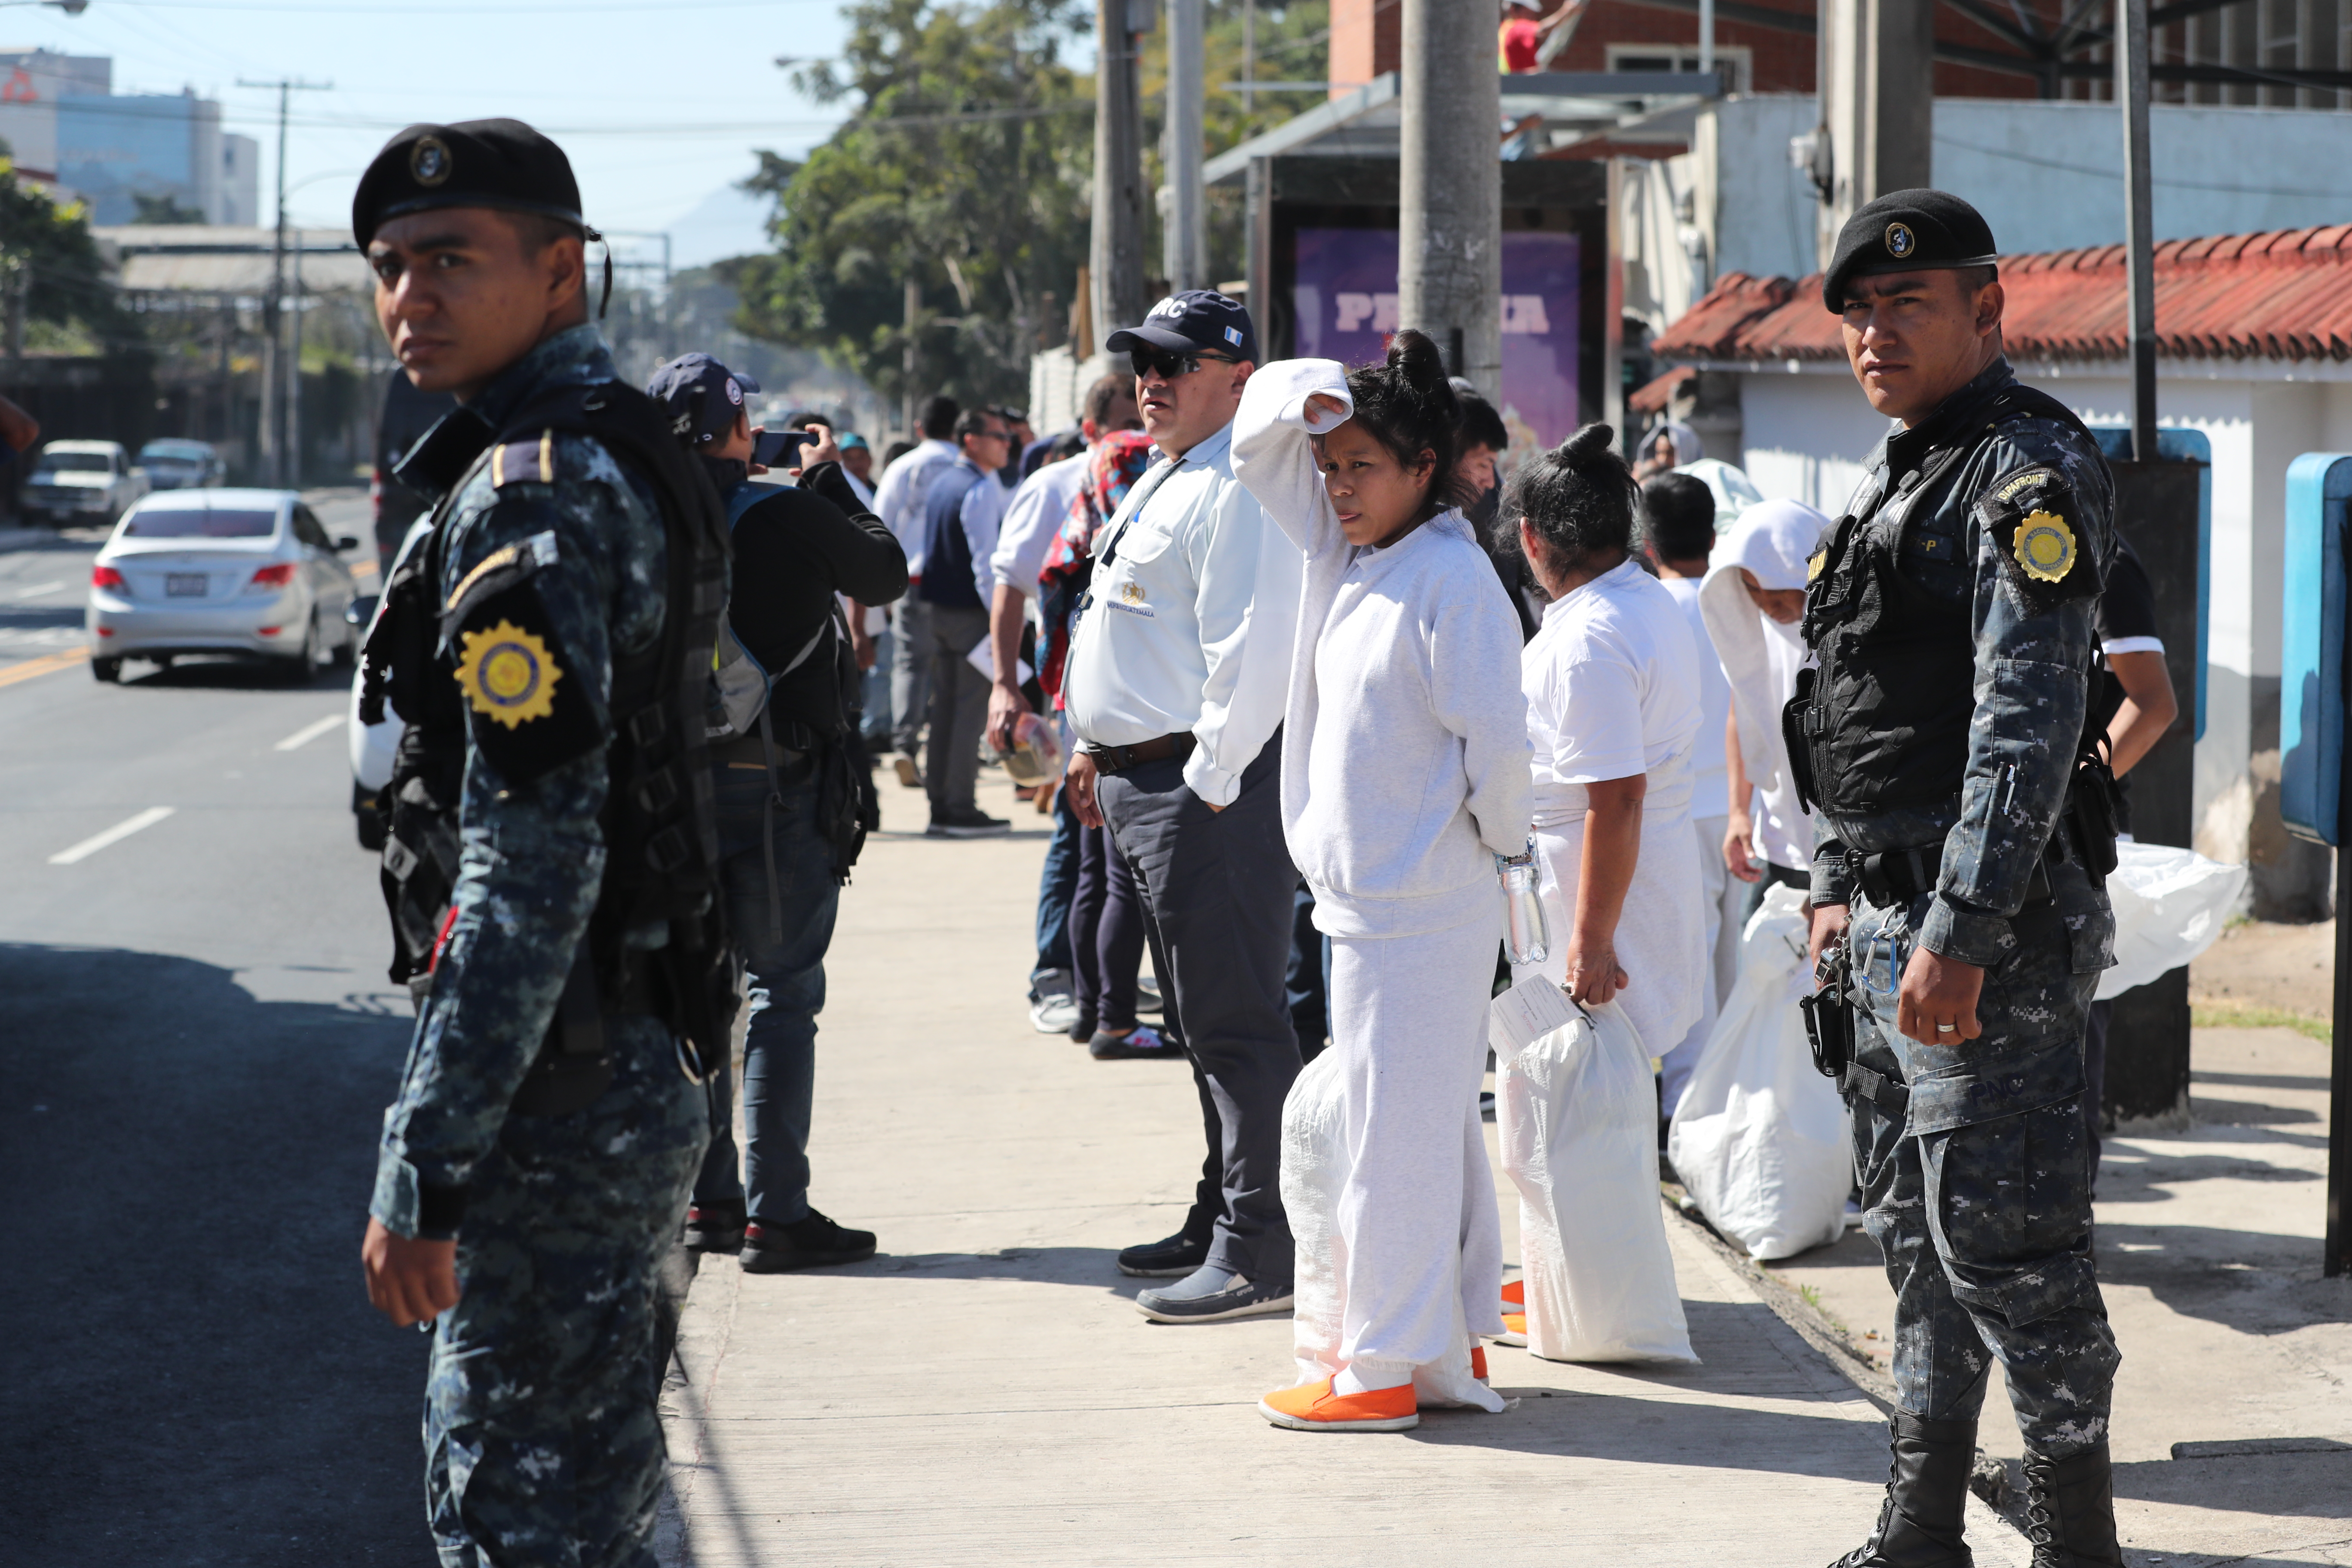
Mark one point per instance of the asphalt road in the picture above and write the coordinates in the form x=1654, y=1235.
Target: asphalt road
x=196, y=1045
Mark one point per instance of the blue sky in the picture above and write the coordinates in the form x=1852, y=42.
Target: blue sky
x=659, y=105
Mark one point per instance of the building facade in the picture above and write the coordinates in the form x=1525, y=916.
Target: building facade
x=130, y=157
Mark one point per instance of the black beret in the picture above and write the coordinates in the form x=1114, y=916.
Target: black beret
x=500, y=164
x=1907, y=231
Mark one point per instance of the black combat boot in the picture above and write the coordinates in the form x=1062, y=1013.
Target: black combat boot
x=1926, y=1496
x=2070, y=1510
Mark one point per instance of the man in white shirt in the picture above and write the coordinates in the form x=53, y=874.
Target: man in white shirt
x=1033, y=520
x=1178, y=671
x=1678, y=524
x=962, y=516
x=899, y=501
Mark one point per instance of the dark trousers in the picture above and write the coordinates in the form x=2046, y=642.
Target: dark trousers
x=1107, y=932
x=1058, y=885
x=1217, y=890
x=785, y=978
x=1308, y=984
x=959, y=709
x=2095, y=1081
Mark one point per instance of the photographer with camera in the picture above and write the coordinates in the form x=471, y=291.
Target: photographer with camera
x=792, y=795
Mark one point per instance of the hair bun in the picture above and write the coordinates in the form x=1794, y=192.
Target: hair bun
x=1588, y=444
x=1414, y=358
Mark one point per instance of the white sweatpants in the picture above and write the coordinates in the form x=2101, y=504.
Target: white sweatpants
x=1417, y=1213
x=1723, y=894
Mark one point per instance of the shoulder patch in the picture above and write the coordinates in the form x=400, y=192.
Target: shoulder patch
x=530, y=462
x=508, y=674
x=2031, y=516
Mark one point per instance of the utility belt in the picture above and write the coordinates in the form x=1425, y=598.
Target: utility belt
x=1829, y=1013
x=1894, y=876
x=1120, y=758
x=794, y=755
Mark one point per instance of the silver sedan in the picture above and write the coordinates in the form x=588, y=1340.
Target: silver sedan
x=220, y=572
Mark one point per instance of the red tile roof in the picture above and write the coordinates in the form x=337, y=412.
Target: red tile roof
x=2286, y=294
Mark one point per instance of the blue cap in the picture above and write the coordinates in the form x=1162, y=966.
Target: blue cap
x=853, y=442
x=1198, y=320
x=702, y=397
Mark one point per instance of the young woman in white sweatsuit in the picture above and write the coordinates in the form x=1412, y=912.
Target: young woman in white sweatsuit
x=1404, y=770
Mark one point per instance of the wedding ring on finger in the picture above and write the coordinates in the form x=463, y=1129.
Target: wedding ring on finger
x=1948, y=1028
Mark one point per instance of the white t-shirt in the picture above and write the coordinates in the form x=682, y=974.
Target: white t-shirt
x=1612, y=680
x=1710, y=779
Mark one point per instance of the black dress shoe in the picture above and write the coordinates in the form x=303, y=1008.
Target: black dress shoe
x=811, y=1243
x=715, y=1228
x=1172, y=1259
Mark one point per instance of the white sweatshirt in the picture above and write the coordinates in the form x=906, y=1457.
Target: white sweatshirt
x=1404, y=743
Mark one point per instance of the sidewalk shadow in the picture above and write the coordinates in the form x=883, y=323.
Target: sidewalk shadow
x=1568, y=1424
x=199, y=1377
x=2255, y=1282
x=2313, y=1486
x=1080, y=1265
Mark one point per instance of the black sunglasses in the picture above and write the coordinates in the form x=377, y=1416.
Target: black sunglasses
x=1167, y=366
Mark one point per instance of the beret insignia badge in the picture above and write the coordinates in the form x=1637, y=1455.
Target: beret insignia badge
x=508, y=674
x=429, y=162
x=2045, y=547
x=1900, y=241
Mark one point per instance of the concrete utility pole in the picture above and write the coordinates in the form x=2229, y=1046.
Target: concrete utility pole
x=911, y=357
x=1878, y=103
x=1184, y=233
x=1115, y=255
x=276, y=387
x=1450, y=228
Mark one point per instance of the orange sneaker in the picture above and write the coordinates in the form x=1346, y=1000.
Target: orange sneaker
x=1318, y=1407
x=1478, y=1363
x=1515, y=1296
x=1514, y=1329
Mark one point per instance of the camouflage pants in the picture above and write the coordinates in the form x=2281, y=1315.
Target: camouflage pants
x=543, y=1440
x=1979, y=1191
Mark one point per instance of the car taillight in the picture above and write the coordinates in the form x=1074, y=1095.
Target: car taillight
x=277, y=577
x=106, y=577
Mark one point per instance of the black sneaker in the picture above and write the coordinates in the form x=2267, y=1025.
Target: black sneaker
x=715, y=1228
x=1172, y=1258
x=1213, y=1295
x=811, y=1243
x=1138, y=1044
x=965, y=824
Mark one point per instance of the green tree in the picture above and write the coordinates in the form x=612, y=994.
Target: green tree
x=964, y=165
x=47, y=249
x=164, y=209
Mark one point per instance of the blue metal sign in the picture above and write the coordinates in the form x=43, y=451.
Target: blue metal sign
x=2311, y=647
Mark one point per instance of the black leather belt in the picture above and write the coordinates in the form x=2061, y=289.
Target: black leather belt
x=1898, y=876
x=1120, y=759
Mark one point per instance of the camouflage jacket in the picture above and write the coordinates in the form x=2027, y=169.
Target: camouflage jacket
x=2032, y=649
x=533, y=854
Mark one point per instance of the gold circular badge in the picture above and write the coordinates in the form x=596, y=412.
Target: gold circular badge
x=508, y=673
x=2045, y=547
x=1820, y=559
x=429, y=162
x=1900, y=241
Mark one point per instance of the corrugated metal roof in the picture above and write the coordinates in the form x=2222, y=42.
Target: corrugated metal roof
x=244, y=273
x=2285, y=294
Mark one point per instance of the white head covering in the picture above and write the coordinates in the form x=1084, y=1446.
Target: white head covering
x=1687, y=447
x=1774, y=540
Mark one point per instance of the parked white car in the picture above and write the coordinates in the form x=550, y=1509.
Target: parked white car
x=81, y=481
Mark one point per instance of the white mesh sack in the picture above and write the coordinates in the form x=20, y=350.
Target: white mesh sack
x=1314, y=1170
x=2170, y=905
x=1760, y=1139
x=1579, y=1118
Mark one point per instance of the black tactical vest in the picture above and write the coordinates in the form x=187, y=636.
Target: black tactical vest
x=1882, y=721
x=659, y=824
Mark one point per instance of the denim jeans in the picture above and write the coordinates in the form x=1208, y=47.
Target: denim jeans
x=785, y=978
x=1058, y=885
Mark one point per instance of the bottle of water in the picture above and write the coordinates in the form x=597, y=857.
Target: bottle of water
x=1525, y=938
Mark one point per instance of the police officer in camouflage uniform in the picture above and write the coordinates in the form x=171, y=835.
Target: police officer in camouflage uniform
x=549, y=647
x=1961, y=866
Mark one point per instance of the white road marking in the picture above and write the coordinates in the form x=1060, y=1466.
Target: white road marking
x=37, y=589
x=114, y=834
x=309, y=733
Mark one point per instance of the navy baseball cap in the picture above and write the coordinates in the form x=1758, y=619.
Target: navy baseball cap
x=1198, y=320
x=702, y=397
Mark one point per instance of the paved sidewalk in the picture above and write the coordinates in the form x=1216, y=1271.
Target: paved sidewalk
x=983, y=1392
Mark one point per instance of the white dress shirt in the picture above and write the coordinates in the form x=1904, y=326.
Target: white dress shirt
x=906, y=486
x=1037, y=511
x=1190, y=623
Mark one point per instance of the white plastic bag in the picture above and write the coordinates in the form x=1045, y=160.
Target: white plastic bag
x=1579, y=1118
x=1760, y=1139
x=2169, y=907
x=1314, y=1170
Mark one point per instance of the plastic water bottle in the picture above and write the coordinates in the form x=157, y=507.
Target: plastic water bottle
x=1526, y=937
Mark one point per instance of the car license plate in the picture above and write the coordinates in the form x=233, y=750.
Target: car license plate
x=184, y=584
